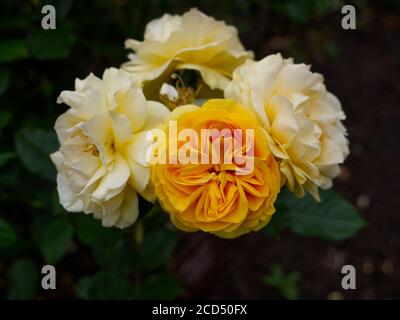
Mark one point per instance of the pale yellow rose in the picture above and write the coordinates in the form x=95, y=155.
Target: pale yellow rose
x=101, y=164
x=192, y=41
x=301, y=116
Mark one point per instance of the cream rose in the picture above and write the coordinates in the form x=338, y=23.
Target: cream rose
x=301, y=116
x=191, y=41
x=101, y=162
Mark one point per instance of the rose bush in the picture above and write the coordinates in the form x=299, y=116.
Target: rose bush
x=103, y=160
x=100, y=154
x=106, y=137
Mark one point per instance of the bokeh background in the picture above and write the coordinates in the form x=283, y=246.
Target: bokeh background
x=360, y=66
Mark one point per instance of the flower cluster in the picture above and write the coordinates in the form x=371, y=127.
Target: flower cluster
x=193, y=122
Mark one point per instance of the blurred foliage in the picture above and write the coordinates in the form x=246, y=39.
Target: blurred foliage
x=333, y=218
x=7, y=234
x=286, y=285
x=105, y=285
x=23, y=276
x=35, y=66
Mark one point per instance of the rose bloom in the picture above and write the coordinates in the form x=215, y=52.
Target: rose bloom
x=301, y=116
x=100, y=164
x=191, y=41
x=213, y=197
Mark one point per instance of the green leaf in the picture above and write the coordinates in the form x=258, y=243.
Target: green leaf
x=50, y=44
x=287, y=285
x=90, y=231
x=5, y=157
x=105, y=285
x=117, y=256
x=7, y=234
x=333, y=218
x=55, y=239
x=33, y=148
x=5, y=117
x=4, y=80
x=23, y=277
x=112, y=248
x=161, y=286
x=157, y=247
x=278, y=223
x=11, y=50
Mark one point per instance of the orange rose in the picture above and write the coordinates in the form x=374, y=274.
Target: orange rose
x=218, y=197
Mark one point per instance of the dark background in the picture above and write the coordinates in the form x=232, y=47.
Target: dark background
x=360, y=66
